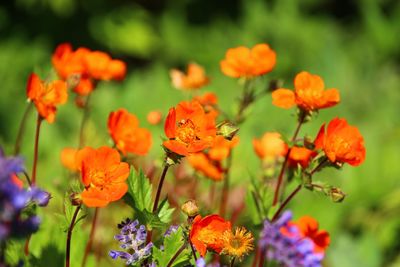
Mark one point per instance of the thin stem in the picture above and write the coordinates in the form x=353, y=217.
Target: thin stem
x=256, y=256
x=193, y=251
x=233, y=262
x=262, y=258
x=225, y=188
x=160, y=185
x=21, y=129
x=285, y=162
x=176, y=255
x=36, y=148
x=319, y=166
x=69, y=236
x=91, y=236
x=28, y=179
x=287, y=200
x=83, y=122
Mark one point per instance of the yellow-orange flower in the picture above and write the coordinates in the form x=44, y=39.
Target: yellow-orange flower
x=237, y=243
x=69, y=158
x=189, y=129
x=341, y=142
x=300, y=155
x=128, y=137
x=154, y=117
x=207, y=233
x=87, y=66
x=46, y=96
x=270, y=146
x=308, y=227
x=244, y=62
x=103, y=175
x=195, y=77
x=209, y=168
x=309, y=94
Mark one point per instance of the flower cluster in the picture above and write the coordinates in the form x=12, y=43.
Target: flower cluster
x=293, y=244
x=87, y=66
x=14, y=199
x=132, y=238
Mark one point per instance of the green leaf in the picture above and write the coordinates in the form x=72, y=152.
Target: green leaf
x=164, y=211
x=172, y=244
x=150, y=220
x=139, y=190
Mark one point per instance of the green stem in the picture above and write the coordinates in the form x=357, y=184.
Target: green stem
x=83, y=122
x=91, y=237
x=232, y=262
x=21, y=129
x=159, y=188
x=225, y=188
x=69, y=236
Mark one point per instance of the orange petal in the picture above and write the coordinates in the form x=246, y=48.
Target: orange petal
x=95, y=198
x=170, y=123
x=176, y=147
x=305, y=80
x=283, y=98
x=320, y=139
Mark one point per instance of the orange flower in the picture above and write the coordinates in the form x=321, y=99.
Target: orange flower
x=46, y=96
x=103, y=175
x=209, y=168
x=300, y=155
x=341, y=142
x=244, y=62
x=270, y=146
x=154, y=117
x=308, y=227
x=309, y=94
x=207, y=233
x=222, y=148
x=189, y=128
x=194, y=79
x=69, y=159
x=87, y=66
x=128, y=137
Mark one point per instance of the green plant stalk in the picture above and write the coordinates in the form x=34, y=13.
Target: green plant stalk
x=69, y=237
x=91, y=236
x=21, y=129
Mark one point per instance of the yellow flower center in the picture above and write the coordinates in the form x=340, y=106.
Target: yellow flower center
x=186, y=131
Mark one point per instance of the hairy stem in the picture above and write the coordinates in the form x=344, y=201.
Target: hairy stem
x=91, y=237
x=69, y=236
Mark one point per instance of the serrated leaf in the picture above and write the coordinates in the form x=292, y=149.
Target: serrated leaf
x=164, y=211
x=140, y=190
x=172, y=244
x=150, y=220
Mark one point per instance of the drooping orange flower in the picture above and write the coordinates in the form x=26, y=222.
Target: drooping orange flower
x=244, y=62
x=308, y=227
x=128, y=137
x=154, y=117
x=207, y=233
x=87, y=65
x=209, y=168
x=300, y=155
x=189, y=128
x=341, y=142
x=69, y=158
x=270, y=146
x=46, y=96
x=309, y=94
x=222, y=147
x=195, y=77
x=103, y=175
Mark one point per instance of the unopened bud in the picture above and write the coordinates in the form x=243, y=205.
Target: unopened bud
x=76, y=199
x=190, y=208
x=336, y=194
x=227, y=130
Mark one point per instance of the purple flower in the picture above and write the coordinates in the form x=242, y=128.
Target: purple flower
x=201, y=262
x=132, y=239
x=284, y=244
x=171, y=229
x=14, y=199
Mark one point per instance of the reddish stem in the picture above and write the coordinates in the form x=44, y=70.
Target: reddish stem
x=36, y=149
x=225, y=188
x=69, y=237
x=91, y=237
x=284, y=165
x=159, y=188
x=287, y=200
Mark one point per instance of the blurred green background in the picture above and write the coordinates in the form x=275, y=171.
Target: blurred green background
x=353, y=45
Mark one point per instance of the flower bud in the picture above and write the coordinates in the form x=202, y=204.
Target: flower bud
x=227, y=130
x=190, y=208
x=336, y=195
x=76, y=199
